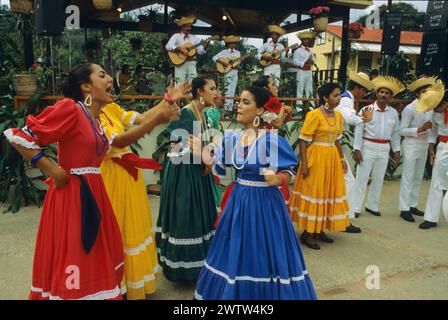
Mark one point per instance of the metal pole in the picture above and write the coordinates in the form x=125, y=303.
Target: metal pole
x=52, y=66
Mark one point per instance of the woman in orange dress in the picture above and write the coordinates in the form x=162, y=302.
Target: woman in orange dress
x=319, y=199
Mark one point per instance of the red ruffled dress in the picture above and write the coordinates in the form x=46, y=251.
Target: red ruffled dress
x=62, y=267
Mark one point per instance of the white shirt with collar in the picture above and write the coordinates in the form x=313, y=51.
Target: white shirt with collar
x=383, y=126
x=269, y=47
x=347, y=108
x=301, y=55
x=411, y=120
x=227, y=53
x=179, y=39
x=439, y=128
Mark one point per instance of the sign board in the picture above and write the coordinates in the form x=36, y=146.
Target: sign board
x=437, y=6
x=391, y=32
x=436, y=20
x=433, y=59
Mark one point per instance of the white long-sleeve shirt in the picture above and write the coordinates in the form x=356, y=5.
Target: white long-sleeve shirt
x=269, y=47
x=227, y=53
x=439, y=128
x=383, y=126
x=411, y=120
x=347, y=108
x=179, y=39
x=301, y=55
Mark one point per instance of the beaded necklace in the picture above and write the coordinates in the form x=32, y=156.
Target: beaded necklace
x=96, y=131
x=329, y=125
x=248, y=154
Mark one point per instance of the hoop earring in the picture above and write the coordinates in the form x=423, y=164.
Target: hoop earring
x=88, y=100
x=201, y=100
x=256, y=121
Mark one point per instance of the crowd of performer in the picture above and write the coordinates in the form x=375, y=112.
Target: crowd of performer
x=96, y=240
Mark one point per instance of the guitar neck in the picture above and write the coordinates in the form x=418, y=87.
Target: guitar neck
x=197, y=45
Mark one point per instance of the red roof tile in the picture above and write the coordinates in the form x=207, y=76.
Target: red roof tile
x=375, y=36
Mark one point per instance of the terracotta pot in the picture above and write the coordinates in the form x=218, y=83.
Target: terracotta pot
x=21, y=6
x=354, y=34
x=320, y=24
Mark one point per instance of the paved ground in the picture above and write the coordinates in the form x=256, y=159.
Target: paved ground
x=413, y=263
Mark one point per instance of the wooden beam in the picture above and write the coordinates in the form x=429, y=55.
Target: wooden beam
x=345, y=49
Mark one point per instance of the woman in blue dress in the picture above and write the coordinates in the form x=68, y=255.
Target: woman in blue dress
x=255, y=253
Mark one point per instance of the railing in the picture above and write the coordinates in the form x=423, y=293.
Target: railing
x=326, y=75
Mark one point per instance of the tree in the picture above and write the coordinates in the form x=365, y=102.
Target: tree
x=413, y=20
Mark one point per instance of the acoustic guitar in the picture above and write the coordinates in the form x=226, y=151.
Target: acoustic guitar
x=268, y=57
x=178, y=58
x=224, y=65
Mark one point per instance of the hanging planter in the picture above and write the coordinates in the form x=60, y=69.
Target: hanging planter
x=320, y=18
x=102, y=4
x=355, y=29
x=21, y=6
x=25, y=84
x=136, y=43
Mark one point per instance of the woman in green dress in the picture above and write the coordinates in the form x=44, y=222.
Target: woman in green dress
x=187, y=206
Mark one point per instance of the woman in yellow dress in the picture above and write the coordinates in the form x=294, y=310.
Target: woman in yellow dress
x=122, y=175
x=126, y=82
x=319, y=199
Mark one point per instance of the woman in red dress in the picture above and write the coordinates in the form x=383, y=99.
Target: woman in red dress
x=79, y=251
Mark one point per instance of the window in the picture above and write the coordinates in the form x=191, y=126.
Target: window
x=364, y=61
x=321, y=38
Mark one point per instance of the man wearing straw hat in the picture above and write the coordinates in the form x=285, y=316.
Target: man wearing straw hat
x=372, y=144
x=274, y=68
x=358, y=87
x=304, y=59
x=186, y=71
x=231, y=77
x=414, y=127
x=436, y=98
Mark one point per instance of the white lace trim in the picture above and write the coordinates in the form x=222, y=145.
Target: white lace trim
x=101, y=295
x=252, y=183
x=295, y=210
x=197, y=296
x=19, y=140
x=85, y=170
x=320, y=201
x=112, y=138
x=186, y=241
x=181, y=264
x=324, y=144
x=146, y=279
x=253, y=279
x=119, y=266
x=136, y=250
x=305, y=138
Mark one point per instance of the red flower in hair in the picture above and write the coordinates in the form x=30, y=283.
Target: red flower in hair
x=273, y=105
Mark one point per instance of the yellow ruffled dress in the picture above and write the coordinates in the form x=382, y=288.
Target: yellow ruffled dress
x=319, y=202
x=131, y=206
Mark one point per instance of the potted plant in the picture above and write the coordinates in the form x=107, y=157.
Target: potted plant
x=102, y=4
x=320, y=18
x=355, y=30
x=21, y=6
x=136, y=43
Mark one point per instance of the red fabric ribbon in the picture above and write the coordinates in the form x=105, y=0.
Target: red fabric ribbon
x=445, y=117
x=131, y=162
x=273, y=105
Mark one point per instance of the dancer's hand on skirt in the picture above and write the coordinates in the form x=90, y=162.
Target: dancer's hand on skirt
x=271, y=178
x=60, y=177
x=304, y=170
x=357, y=156
x=344, y=166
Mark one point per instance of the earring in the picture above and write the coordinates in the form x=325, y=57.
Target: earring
x=88, y=100
x=256, y=121
x=201, y=100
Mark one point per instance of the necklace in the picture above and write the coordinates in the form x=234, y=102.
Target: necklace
x=201, y=119
x=248, y=153
x=331, y=137
x=96, y=132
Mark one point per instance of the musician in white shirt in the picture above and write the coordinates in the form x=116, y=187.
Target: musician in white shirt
x=414, y=127
x=274, y=68
x=186, y=71
x=231, y=77
x=372, y=144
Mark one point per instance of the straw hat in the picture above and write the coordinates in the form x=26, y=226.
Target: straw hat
x=422, y=82
x=306, y=35
x=361, y=78
x=232, y=39
x=277, y=29
x=431, y=98
x=388, y=82
x=185, y=20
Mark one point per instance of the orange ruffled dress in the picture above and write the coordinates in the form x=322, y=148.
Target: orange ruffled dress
x=319, y=202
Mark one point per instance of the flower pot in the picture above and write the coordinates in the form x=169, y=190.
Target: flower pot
x=354, y=34
x=25, y=84
x=102, y=4
x=21, y=6
x=320, y=24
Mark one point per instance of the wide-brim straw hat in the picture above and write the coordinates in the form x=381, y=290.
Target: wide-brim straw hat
x=422, y=82
x=306, y=35
x=185, y=20
x=390, y=83
x=277, y=29
x=431, y=98
x=232, y=39
x=362, y=79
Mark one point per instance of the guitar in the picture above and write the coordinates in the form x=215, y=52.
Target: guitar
x=268, y=57
x=224, y=65
x=178, y=58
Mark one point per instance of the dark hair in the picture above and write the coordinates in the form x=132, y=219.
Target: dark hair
x=71, y=87
x=260, y=94
x=325, y=90
x=198, y=83
x=262, y=82
x=352, y=85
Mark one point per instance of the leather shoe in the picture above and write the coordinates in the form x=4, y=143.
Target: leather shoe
x=417, y=212
x=406, y=215
x=357, y=214
x=375, y=213
x=323, y=237
x=308, y=240
x=427, y=224
x=352, y=229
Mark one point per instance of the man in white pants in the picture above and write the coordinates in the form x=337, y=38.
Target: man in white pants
x=231, y=77
x=436, y=97
x=372, y=144
x=274, y=68
x=187, y=70
x=414, y=127
x=358, y=87
x=304, y=58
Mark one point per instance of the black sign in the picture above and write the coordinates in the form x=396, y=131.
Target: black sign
x=437, y=6
x=391, y=32
x=433, y=59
